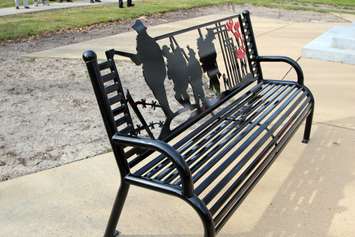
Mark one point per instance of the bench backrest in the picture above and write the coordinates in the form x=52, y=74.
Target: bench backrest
x=222, y=55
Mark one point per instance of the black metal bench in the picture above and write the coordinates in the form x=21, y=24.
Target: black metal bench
x=229, y=138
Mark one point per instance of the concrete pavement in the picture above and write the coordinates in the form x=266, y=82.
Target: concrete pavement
x=309, y=190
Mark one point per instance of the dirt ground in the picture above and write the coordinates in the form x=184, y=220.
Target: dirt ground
x=48, y=112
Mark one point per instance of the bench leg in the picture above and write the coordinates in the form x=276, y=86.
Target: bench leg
x=205, y=216
x=307, y=130
x=116, y=211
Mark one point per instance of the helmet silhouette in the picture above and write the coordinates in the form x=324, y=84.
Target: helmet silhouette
x=139, y=26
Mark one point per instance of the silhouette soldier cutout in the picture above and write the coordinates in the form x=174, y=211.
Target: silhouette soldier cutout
x=150, y=56
x=177, y=72
x=208, y=58
x=195, y=77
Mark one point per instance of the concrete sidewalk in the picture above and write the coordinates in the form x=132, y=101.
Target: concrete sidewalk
x=309, y=191
x=52, y=6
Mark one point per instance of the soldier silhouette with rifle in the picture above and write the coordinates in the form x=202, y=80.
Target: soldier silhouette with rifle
x=150, y=56
x=195, y=73
x=208, y=58
x=177, y=72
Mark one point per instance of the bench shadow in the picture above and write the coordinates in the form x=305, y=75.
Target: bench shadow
x=310, y=198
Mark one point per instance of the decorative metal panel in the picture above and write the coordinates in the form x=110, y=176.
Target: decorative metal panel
x=204, y=63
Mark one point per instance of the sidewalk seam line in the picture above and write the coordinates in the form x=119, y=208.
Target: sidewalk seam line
x=273, y=30
x=334, y=125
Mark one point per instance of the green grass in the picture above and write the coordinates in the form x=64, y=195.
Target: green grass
x=25, y=25
x=341, y=3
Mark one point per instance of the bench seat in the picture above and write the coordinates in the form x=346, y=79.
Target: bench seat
x=228, y=152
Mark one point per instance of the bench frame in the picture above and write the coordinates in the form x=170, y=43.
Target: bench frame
x=186, y=192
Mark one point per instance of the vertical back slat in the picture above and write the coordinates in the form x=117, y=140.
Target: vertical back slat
x=251, y=49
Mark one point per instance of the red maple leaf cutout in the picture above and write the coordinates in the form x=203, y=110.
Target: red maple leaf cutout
x=237, y=35
x=230, y=25
x=240, y=53
x=236, y=26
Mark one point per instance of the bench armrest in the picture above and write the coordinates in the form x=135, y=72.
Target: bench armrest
x=290, y=61
x=163, y=148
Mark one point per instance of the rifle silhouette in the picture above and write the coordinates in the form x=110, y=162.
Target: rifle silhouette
x=174, y=45
x=131, y=56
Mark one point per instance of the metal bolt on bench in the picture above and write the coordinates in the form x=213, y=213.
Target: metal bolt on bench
x=237, y=122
